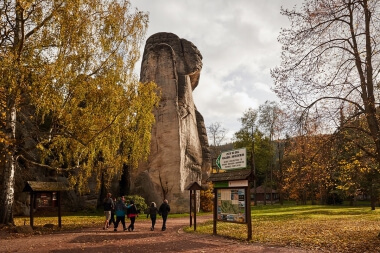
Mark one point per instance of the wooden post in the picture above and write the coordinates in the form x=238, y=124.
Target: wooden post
x=191, y=218
x=195, y=210
x=248, y=212
x=59, y=209
x=215, y=210
x=31, y=208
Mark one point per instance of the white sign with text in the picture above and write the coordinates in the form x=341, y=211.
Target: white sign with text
x=233, y=159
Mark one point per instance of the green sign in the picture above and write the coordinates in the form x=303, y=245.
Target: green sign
x=222, y=184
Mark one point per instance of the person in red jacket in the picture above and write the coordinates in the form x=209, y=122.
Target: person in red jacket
x=132, y=213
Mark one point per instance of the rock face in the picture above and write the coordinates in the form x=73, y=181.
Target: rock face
x=179, y=147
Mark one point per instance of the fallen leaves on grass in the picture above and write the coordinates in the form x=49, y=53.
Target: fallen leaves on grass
x=321, y=228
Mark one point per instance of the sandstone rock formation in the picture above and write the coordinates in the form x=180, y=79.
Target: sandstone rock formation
x=179, y=147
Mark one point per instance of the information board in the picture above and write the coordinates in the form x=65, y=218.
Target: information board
x=233, y=159
x=231, y=205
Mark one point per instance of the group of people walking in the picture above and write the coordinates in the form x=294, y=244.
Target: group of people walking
x=121, y=209
x=163, y=211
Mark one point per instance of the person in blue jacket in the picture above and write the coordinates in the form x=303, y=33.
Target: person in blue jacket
x=120, y=210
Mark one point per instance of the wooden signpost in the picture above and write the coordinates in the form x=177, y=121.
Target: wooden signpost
x=232, y=199
x=45, y=195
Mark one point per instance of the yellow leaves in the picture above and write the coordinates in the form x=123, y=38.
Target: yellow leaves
x=323, y=228
x=76, y=72
x=4, y=140
x=110, y=116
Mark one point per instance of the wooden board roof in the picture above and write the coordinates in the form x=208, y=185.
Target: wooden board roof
x=230, y=175
x=45, y=186
x=194, y=186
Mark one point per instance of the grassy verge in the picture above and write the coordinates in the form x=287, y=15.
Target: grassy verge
x=70, y=221
x=77, y=220
x=326, y=228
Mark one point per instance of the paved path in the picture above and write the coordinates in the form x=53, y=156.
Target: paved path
x=140, y=240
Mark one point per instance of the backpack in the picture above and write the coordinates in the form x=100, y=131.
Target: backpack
x=107, y=205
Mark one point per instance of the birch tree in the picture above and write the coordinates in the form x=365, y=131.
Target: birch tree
x=67, y=68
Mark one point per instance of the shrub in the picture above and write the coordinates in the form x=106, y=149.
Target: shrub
x=139, y=202
x=206, y=198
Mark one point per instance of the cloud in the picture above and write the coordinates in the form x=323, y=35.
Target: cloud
x=238, y=42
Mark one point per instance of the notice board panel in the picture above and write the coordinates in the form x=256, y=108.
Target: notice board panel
x=231, y=205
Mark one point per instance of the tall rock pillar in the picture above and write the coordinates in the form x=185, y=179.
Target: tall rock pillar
x=179, y=147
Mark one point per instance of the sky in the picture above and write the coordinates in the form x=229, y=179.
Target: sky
x=238, y=42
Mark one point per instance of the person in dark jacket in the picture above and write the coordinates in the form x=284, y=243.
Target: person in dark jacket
x=112, y=220
x=152, y=211
x=107, y=206
x=164, y=211
x=132, y=213
x=120, y=209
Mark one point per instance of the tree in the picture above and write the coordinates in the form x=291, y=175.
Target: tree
x=216, y=133
x=308, y=169
x=353, y=165
x=245, y=137
x=330, y=64
x=67, y=72
x=269, y=120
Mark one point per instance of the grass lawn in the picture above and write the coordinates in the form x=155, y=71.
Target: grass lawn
x=312, y=227
x=74, y=220
x=70, y=221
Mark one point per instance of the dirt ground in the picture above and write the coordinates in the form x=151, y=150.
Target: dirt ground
x=140, y=240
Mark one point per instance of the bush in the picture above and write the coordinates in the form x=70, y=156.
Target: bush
x=207, y=197
x=139, y=202
x=334, y=199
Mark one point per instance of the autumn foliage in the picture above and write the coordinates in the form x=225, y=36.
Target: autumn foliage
x=70, y=101
x=207, y=199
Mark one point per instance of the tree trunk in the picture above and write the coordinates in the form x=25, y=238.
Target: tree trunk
x=8, y=183
x=373, y=196
x=125, y=181
x=7, y=191
x=271, y=183
x=265, y=188
x=279, y=188
x=103, y=191
x=254, y=174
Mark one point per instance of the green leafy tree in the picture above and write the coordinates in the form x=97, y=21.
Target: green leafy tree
x=67, y=81
x=271, y=119
x=355, y=168
x=259, y=151
x=245, y=137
